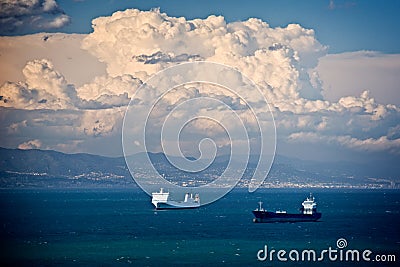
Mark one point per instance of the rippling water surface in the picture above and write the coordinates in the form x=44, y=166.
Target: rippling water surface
x=119, y=227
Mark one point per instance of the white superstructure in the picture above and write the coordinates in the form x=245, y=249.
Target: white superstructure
x=159, y=197
x=309, y=205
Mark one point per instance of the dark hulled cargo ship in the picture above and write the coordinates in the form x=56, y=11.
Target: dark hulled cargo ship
x=308, y=213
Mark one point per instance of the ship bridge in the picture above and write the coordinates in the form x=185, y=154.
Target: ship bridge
x=309, y=206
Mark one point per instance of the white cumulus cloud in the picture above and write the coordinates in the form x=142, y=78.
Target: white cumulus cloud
x=44, y=87
x=379, y=144
x=134, y=45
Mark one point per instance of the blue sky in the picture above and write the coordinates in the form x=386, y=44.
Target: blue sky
x=343, y=25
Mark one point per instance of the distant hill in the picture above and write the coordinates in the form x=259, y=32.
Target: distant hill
x=57, y=163
x=46, y=168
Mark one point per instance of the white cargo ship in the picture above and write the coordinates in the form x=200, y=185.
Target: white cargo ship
x=161, y=200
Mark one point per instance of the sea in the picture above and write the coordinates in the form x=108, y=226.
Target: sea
x=119, y=227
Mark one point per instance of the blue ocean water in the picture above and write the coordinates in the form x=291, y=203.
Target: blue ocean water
x=107, y=227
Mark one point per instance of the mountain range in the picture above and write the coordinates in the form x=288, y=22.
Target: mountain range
x=47, y=168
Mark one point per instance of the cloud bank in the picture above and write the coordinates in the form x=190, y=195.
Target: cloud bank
x=136, y=44
x=16, y=16
x=353, y=72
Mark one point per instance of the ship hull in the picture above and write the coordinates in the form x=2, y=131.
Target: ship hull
x=270, y=217
x=176, y=205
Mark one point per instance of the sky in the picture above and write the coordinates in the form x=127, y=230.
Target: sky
x=342, y=25
x=329, y=70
